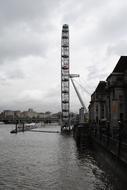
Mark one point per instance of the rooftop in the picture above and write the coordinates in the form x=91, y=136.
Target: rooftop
x=121, y=66
x=101, y=86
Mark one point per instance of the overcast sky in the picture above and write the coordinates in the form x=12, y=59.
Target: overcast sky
x=30, y=40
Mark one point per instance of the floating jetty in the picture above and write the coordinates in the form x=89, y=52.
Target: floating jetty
x=45, y=131
x=21, y=127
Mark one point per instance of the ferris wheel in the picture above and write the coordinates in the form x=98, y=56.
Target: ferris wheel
x=65, y=82
x=65, y=86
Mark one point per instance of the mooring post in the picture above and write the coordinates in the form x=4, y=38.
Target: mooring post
x=22, y=126
x=16, y=126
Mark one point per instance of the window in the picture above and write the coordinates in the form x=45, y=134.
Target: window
x=121, y=106
x=113, y=93
x=120, y=97
x=97, y=108
x=119, y=79
x=121, y=116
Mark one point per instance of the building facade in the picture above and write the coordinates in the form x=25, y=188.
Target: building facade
x=109, y=100
x=97, y=107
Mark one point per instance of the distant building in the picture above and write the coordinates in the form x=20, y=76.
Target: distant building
x=8, y=114
x=29, y=114
x=17, y=114
x=47, y=115
x=55, y=117
x=109, y=101
x=41, y=115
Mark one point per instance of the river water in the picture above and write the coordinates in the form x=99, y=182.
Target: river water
x=51, y=161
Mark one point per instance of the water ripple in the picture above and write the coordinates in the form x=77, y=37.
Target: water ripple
x=44, y=161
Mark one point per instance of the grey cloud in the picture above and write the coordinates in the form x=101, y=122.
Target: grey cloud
x=96, y=73
x=112, y=25
x=3, y=80
x=24, y=27
x=36, y=105
x=119, y=48
x=20, y=44
x=53, y=93
x=81, y=11
x=16, y=74
x=23, y=11
x=7, y=76
x=32, y=28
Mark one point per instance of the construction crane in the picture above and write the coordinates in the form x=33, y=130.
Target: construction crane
x=76, y=90
x=83, y=108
